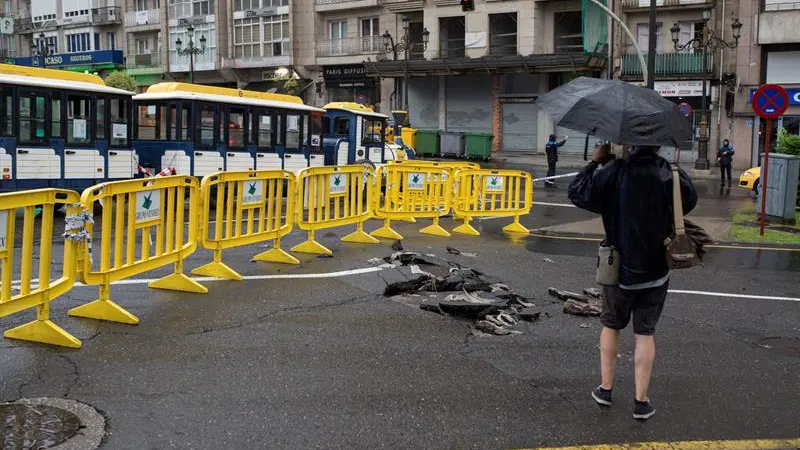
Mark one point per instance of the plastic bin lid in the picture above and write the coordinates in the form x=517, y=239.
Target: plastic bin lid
x=479, y=134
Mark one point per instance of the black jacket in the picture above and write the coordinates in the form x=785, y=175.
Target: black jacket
x=725, y=155
x=635, y=199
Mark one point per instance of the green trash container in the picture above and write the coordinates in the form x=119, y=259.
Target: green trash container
x=478, y=145
x=427, y=143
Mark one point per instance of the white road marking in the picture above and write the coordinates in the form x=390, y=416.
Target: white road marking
x=555, y=177
x=728, y=295
x=565, y=205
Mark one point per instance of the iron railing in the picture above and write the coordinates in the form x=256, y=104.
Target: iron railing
x=646, y=3
x=147, y=17
x=350, y=46
x=668, y=64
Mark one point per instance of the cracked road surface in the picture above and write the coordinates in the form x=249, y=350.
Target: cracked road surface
x=330, y=363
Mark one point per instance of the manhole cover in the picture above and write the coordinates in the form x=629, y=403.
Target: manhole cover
x=50, y=423
x=36, y=426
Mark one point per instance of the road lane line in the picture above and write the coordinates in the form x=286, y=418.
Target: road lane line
x=748, y=444
x=564, y=205
x=728, y=295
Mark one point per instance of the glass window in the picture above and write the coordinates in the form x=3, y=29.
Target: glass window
x=326, y=125
x=78, y=119
x=244, y=5
x=119, y=121
x=185, y=122
x=32, y=125
x=172, y=134
x=341, y=126
x=279, y=134
x=55, y=116
x=293, y=131
x=151, y=122
x=236, y=127
x=304, y=136
x=202, y=7
x=246, y=42
x=372, y=132
x=207, y=126
x=101, y=118
x=262, y=129
x=6, y=114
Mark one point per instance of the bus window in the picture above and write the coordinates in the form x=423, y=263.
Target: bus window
x=5, y=111
x=341, y=126
x=150, y=122
x=119, y=121
x=262, y=130
x=101, y=118
x=292, y=131
x=185, y=122
x=235, y=127
x=372, y=132
x=56, y=116
x=317, y=128
x=78, y=119
x=305, y=130
x=32, y=118
x=206, y=126
x=279, y=128
x=172, y=130
x=326, y=125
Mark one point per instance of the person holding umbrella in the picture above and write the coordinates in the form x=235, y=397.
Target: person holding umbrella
x=634, y=198
x=551, y=149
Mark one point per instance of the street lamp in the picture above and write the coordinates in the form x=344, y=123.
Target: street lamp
x=190, y=50
x=707, y=43
x=40, y=48
x=404, y=46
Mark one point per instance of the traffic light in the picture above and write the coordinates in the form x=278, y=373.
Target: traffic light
x=467, y=5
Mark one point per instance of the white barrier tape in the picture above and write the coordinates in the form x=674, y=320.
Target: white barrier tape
x=554, y=177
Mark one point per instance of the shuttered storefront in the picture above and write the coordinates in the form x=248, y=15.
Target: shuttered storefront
x=576, y=141
x=519, y=127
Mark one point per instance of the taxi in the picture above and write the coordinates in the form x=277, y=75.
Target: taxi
x=750, y=179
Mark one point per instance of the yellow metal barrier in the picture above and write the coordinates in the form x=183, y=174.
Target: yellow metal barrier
x=46, y=290
x=334, y=196
x=249, y=209
x=133, y=211
x=455, y=165
x=492, y=193
x=414, y=191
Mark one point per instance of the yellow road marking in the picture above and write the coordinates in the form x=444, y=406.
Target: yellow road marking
x=717, y=246
x=748, y=444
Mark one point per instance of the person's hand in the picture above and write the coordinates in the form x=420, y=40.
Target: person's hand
x=600, y=153
x=566, y=138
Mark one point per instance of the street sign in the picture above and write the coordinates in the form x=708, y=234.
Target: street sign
x=770, y=101
x=685, y=109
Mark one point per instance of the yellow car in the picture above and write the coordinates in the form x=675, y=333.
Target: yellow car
x=750, y=179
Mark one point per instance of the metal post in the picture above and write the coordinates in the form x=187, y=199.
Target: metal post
x=405, y=79
x=702, y=149
x=651, y=47
x=631, y=37
x=764, y=174
x=191, y=61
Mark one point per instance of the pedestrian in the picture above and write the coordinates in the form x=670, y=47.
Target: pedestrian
x=634, y=197
x=725, y=159
x=551, y=149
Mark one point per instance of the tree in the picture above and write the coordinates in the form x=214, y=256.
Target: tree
x=121, y=80
x=788, y=143
x=291, y=87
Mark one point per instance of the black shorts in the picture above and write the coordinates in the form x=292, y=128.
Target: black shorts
x=644, y=304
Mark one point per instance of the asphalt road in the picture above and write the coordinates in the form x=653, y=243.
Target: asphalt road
x=331, y=363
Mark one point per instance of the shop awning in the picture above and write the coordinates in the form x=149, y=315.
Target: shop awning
x=563, y=62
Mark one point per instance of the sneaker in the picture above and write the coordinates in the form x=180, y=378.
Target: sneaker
x=643, y=410
x=602, y=396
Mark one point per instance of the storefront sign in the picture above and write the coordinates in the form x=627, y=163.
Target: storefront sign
x=73, y=59
x=261, y=12
x=794, y=96
x=344, y=73
x=678, y=88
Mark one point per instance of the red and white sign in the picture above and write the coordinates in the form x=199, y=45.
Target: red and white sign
x=678, y=88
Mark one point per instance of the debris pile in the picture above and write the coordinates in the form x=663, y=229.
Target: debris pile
x=586, y=304
x=453, y=290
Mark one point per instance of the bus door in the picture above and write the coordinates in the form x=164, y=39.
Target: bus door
x=237, y=155
x=122, y=160
x=294, y=156
x=264, y=138
x=372, y=138
x=37, y=157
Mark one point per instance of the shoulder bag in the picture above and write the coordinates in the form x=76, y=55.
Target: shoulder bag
x=681, y=250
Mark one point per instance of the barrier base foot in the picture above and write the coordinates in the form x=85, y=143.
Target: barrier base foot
x=217, y=269
x=313, y=247
x=435, y=230
x=515, y=227
x=386, y=233
x=360, y=237
x=104, y=310
x=466, y=228
x=409, y=220
x=178, y=282
x=43, y=331
x=276, y=255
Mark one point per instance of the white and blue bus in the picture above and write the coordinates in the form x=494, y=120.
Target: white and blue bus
x=62, y=129
x=197, y=130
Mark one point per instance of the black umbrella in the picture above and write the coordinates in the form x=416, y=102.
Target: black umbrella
x=617, y=111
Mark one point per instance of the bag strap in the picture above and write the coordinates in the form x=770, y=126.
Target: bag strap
x=677, y=203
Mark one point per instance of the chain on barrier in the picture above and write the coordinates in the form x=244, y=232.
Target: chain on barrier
x=134, y=212
x=248, y=208
x=414, y=191
x=334, y=196
x=492, y=193
x=29, y=292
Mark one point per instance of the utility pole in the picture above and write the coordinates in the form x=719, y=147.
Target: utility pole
x=652, y=34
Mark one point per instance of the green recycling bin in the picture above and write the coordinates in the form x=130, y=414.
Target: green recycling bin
x=427, y=143
x=478, y=145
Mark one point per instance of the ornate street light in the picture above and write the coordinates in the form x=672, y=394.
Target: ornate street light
x=40, y=48
x=190, y=49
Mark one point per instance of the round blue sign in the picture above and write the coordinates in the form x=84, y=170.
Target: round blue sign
x=685, y=109
x=770, y=101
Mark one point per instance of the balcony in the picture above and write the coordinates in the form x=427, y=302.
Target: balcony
x=143, y=18
x=668, y=65
x=341, y=5
x=778, y=27
x=781, y=5
x=366, y=45
x=402, y=6
x=642, y=4
x=111, y=15
x=148, y=63
x=24, y=25
x=258, y=61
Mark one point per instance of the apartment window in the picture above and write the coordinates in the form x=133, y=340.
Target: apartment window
x=78, y=42
x=338, y=29
x=7, y=7
x=142, y=46
x=96, y=41
x=370, y=35
x=112, y=41
x=276, y=35
x=246, y=42
x=52, y=43
x=203, y=61
x=643, y=36
x=275, y=3
x=244, y=5
x=180, y=8
x=202, y=7
x=141, y=5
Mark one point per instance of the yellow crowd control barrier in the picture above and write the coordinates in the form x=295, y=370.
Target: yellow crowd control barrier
x=144, y=226
x=46, y=289
x=414, y=191
x=454, y=165
x=334, y=196
x=492, y=193
x=248, y=209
